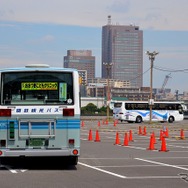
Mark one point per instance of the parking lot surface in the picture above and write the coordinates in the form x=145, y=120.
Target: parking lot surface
x=113, y=154
x=139, y=161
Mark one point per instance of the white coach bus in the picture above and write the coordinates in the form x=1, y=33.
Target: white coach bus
x=39, y=112
x=138, y=111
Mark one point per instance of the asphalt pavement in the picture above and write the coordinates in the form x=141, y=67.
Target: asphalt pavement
x=109, y=158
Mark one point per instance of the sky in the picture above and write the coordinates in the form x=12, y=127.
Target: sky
x=41, y=31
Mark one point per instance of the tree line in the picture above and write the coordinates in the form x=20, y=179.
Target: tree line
x=92, y=109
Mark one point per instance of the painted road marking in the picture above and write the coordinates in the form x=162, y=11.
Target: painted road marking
x=14, y=171
x=153, y=163
x=154, y=177
x=125, y=177
x=11, y=170
x=161, y=164
x=177, y=146
x=104, y=171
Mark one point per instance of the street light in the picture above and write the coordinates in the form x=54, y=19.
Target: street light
x=151, y=101
x=108, y=69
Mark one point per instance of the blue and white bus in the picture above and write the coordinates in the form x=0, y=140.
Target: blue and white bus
x=39, y=112
x=139, y=111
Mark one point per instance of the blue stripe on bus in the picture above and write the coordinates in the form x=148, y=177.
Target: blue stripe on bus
x=154, y=114
x=60, y=124
x=42, y=128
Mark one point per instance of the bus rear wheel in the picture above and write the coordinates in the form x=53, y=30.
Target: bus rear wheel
x=73, y=160
x=171, y=119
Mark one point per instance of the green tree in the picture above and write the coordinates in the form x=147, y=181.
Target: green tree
x=89, y=109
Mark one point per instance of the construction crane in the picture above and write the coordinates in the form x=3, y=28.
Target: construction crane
x=165, y=82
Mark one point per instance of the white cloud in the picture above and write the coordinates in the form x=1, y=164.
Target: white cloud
x=120, y=6
x=12, y=62
x=8, y=62
x=43, y=39
x=156, y=14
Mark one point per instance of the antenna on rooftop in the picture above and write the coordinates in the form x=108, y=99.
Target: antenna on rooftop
x=109, y=20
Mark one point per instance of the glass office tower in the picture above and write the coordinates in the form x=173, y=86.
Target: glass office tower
x=122, y=46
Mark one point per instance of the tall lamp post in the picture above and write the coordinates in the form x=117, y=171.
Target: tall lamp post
x=108, y=67
x=151, y=101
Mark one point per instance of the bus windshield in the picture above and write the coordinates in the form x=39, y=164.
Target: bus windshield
x=38, y=87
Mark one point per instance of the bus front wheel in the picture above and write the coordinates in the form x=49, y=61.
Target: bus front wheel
x=171, y=119
x=138, y=119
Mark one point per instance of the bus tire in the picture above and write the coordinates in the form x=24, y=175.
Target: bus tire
x=73, y=160
x=138, y=119
x=171, y=119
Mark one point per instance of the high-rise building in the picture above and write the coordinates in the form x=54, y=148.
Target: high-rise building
x=83, y=61
x=122, y=53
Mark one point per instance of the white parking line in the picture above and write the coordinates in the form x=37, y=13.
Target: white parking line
x=23, y=170
x=125, y=177
x=134, y=147
x=177, y=146
x=104, y=171
x=11, y=170
x=161, y=164
x=14, y=171
x=154, y=177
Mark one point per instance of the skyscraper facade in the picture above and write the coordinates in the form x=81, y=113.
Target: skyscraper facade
x=122, y=49
x=83, y=61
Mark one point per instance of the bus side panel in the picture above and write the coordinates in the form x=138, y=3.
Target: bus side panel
x=68, y=129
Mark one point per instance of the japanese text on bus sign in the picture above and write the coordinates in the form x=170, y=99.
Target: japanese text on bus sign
x=39, y=86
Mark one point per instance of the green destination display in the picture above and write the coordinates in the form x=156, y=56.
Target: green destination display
x=63, y=91
x=39, y=86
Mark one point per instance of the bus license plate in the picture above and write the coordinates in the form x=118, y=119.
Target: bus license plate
x=36, y=142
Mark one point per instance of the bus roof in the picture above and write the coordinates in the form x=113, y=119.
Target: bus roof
x=34, y=67
x=180, y=102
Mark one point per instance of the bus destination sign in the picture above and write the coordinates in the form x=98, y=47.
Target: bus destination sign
x=39, y=86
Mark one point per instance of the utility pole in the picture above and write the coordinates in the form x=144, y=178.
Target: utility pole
x=151, y=101
x=177, y=92
x=108, y=69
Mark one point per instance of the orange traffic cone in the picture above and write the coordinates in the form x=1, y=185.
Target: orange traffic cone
x=114, y=123
x=151, y=145
x=140, y=130
x=82, y=124
x=90, y=138
x=117, y=142
x=182, y=136
x=131, y=136
x=163, y=145
x=166, y=133
x=161, y=135
x=99, y=124
x=97, y=137
x=144, y=131
x=126, y=140
x=106, y=122
x=154, y=140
